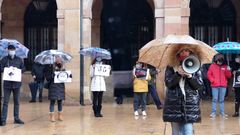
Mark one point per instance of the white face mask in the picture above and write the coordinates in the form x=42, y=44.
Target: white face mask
x=98, y=59
x=237, y=60
x=11, y=53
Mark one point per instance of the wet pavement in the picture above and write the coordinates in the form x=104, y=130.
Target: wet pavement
x=116, y=120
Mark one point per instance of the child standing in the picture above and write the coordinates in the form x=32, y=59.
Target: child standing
x=56, y=91
x=140, y=87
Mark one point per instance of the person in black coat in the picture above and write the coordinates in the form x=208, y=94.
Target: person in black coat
x=11, y=86
x=56, y=91
x=38, y=76
x=236, y=86
x=181, y=106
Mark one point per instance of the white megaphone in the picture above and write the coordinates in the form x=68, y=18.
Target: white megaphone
x=191, y=64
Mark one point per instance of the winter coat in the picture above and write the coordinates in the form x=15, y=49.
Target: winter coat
x=15, y=62
x=97, y=81
x=180, y=107
x=37, y=70
x=218, y=74
x=56, y=91
x=141, y=85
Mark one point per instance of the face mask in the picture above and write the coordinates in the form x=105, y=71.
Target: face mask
x=59, y=65
x=237, y=60
x=11, y=53
x=220, y=60
x=98, y=59
x=139, y=65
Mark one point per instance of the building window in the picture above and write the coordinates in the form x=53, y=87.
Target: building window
x=40, y=30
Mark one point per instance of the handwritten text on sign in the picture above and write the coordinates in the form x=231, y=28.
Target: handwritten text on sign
x=102, y=70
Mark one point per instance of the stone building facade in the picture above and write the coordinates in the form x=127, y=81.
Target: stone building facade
x=170, y=17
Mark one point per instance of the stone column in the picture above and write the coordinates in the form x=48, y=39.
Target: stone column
x=172, y=16
x=87, y=60
x=159, y=23
x=61, y=31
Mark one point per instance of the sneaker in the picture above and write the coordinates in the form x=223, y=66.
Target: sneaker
x=136, y=113
x=224, y=115
x=212, y=115
x=144, y=113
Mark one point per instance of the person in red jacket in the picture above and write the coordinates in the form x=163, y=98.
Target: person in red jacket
x=218, y=73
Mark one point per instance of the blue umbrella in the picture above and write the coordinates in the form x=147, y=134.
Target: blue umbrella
x=21, y=50
x=227, y=47
x=96, y=52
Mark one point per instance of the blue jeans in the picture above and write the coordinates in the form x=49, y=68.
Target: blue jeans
x=154, y=94
x=52, y=103
x=182, y=128
x=16, y=94
x=139, y=96
x=218, y=95
x=40, y=89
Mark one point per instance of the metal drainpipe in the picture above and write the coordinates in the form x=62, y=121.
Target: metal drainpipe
x=81, y=56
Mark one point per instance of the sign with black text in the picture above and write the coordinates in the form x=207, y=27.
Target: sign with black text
x=102, y=70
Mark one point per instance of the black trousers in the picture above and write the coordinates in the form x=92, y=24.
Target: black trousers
x=97, y=98
x=237, y=95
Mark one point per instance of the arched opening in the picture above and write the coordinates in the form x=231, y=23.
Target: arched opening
x=40, y=30
x=125, y=28
x=213, y=21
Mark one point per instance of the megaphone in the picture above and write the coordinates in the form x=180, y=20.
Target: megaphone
x=191, y=64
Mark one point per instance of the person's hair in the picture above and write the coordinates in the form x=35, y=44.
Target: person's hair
x=11, y=47
x=217, y=57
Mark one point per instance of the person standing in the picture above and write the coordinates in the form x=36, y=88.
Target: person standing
x=56, y=91
x=152, y=87
x=182, y=102
x=98, y=86
x=38, y=76
x=236, y=86
x=141, y=77
x=11, y=86
x=218, y=73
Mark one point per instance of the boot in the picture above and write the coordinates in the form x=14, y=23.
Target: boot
x=99, y=108
x=51, y=116
x=60, y=116
x=236, y=114
x=95, y=110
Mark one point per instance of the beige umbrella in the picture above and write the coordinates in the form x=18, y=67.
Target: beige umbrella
x=162, y=52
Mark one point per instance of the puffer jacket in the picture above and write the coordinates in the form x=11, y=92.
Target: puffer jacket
x=218, y=75
x=177, y=107
x=56, y=91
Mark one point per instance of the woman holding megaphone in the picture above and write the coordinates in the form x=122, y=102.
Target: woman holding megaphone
x=182, y=100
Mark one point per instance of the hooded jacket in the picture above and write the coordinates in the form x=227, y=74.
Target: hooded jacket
x=218, y=74
x=180, y=107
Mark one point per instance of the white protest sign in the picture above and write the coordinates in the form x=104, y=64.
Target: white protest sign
x=62, y=76
x=102, y=70
x=12, y=74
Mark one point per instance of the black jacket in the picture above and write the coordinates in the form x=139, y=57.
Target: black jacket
x=56, y=91
x=176, y=108
x=38, y=71
x=15, y=62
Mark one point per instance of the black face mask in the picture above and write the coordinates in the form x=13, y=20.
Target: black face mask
x=220, y=60
x=59, y=65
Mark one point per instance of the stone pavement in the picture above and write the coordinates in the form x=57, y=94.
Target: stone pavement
x=117, y=120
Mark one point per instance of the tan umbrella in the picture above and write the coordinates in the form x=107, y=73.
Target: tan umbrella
x=162, y=52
